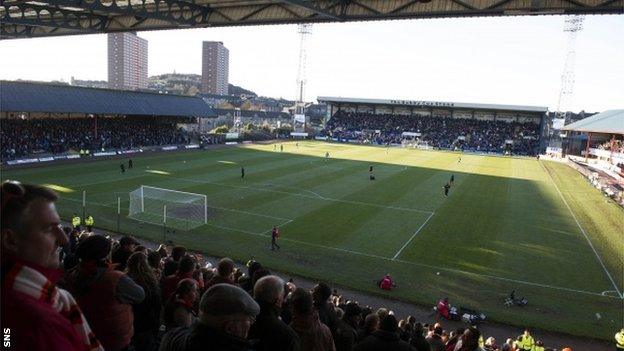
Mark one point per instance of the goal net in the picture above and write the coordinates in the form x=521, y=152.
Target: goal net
x=171, y=207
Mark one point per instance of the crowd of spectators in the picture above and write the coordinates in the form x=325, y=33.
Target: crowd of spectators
x=65, y=290
x=437, y=132
x=613, y=145
x=24, y=137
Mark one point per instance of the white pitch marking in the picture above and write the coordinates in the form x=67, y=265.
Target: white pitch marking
x=305, y=196
x=413, y=236
x=617, y=290
x=437, y=268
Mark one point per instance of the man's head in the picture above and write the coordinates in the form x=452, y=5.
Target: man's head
x=301, y=301
x=225, y=267
x=270, y=290
x=178, y=252
x=321, y=292
x=371, y=322
x=353, y=313
x=228, y=309
x=30, y=225
x=93, y=248
x=187, y=290
x=187, y=264
x=128, y=243
x=388, y=323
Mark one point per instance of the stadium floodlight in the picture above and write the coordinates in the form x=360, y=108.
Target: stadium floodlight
x=157, y=205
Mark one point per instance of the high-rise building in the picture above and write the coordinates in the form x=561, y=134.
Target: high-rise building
x=127, y=61
x=215, y=68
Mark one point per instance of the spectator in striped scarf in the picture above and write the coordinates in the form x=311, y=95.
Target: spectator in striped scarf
x=41, y=316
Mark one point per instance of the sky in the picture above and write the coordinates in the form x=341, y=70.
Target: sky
x=499, y=60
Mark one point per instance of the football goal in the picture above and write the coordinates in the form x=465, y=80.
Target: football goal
x=169, y=207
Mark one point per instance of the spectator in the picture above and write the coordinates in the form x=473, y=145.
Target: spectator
x=346, y=328
x=40, y=319
x=371, y=323
x=225, y=271
x=155, y=263
x=490, y=344
x=22, y=137
x=147, y=312
x=418, y=339
x=508, y=345
x=226, y=313
x=179, y=309
x=435, y=339
x=268, y=329
x=314, y=335
x=186, y=270
x=469, y=341
x=405, y=330
x=385, y=338
x=453, y=339
x=252, y=267
x=127, y=245
x=104, y=294
x=171, y=264
x=326, y=312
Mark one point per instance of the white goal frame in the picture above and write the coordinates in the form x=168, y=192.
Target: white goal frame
x=164, y=191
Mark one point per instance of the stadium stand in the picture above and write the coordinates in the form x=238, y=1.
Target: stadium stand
x=224, y=318
x=25, y=137
x=40, y=118
x=438, y=132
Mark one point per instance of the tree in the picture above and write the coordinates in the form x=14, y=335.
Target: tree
x=220, y=130
x=225, y=105
x=192, y=91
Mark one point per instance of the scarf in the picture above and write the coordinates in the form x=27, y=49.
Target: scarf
x=33, y=283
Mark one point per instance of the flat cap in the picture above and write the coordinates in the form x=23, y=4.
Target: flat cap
x=226, y=299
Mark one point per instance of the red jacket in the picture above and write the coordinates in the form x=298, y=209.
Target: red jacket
x=386, y=283
x=111, y=320
x=444, y=309
x=34, y=325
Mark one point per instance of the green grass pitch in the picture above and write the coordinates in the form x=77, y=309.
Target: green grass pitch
x=508, y=223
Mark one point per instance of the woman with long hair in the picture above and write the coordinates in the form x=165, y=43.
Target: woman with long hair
x=146, y=313
x=180, y=307
x=469, y=341
x=155, y=262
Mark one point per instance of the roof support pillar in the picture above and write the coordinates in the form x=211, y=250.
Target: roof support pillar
x=587, y=147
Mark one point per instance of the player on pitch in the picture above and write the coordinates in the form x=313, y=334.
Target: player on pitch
x=274, y=237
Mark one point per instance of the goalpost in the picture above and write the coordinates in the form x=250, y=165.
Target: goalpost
x=158, y=205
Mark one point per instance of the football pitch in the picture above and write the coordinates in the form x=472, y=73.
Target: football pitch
x=536, y=227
